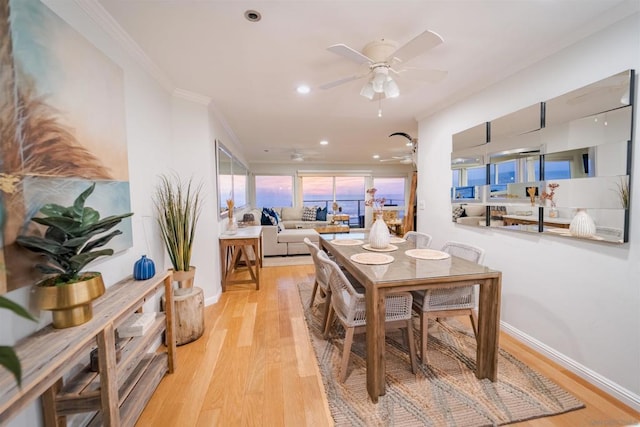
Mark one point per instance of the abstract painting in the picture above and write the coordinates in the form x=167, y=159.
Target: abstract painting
x=62, y=126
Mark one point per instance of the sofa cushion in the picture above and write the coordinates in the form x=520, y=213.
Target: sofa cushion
x=297, y=235
x=291, y=214
x=321, y=214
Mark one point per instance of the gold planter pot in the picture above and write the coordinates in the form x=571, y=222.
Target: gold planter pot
x=70, y=304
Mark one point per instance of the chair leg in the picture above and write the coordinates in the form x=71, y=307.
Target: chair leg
x=346, y=352
x=325, y=314
x=313, y=293
x=424, y=335
x=412, y=345
x=329, y=320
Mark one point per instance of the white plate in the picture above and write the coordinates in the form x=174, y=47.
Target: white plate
x=371, y=258
x=347, y=242
x=396, y=240
x=389, y=248
x=427, y=254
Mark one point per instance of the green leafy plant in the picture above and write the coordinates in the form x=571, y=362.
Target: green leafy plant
x=8, y=357
x=623, y=192
x=178, y=206
x=67, y=244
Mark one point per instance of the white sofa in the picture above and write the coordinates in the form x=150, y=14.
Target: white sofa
x=288, y=241
x=474, y=214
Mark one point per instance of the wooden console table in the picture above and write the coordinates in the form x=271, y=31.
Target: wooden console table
x=548, y=221
x=118, y=393
x=235, y=248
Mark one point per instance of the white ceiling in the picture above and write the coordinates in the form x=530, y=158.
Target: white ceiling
x=250, y=70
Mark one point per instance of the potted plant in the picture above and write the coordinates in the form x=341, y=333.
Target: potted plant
x=178, y=207
x=69, y=243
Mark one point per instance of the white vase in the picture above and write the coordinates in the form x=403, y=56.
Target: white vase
x=379, y=234
x=582, y=224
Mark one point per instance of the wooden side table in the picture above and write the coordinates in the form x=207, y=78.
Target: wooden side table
x=234, y=248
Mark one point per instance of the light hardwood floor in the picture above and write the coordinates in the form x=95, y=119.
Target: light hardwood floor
x=254, y=366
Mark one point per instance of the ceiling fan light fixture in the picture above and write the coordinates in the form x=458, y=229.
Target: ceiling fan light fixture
x=367, y=91
x=391, y=89
x=297, y=157
x=379, y=80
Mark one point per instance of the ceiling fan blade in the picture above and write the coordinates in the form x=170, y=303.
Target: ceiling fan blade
x=421, y=74
x=349, y=53
x=342, y=81
x=418, y=45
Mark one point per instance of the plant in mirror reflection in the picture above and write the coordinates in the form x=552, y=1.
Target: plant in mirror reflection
x=549, y=195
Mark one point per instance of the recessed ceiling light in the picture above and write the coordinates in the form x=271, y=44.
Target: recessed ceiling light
x=303, y=89
x=252, y=15
x=409, y=144
x=324, y=142
x=376, y=156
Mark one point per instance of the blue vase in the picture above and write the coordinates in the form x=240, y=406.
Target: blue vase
x=144, y=269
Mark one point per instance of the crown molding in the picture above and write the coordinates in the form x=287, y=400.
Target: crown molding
x=191, y=96
x=110, y=26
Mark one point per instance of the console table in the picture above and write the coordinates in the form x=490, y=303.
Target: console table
x=116, y=394
x=521, y=219
x=235, y=248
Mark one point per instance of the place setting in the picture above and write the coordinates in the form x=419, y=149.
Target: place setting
x=372, y=258
x=347, y=242
x=388, y=248
x=430, y=254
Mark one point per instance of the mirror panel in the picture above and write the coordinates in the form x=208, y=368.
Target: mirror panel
x=604, y=95
x=473, y=137
x=522, y=121
x=225, y=186
x=240, y=190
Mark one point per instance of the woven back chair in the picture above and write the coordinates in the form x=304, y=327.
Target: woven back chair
x=422, y=240
x=349, y=307
x=448, y=302
x=321, y=281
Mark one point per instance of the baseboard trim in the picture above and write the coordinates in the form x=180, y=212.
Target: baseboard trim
x=212, y=300
x=607, y=386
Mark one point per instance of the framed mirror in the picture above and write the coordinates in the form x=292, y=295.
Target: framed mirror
x=575, y=163
x=232, y=180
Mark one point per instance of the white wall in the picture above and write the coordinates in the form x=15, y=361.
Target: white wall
x=576, y=301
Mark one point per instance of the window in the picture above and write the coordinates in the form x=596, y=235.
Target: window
x=557, y=169
x=503, y=172
x=392, y=189
x=317, y=191
x=476, y=176
x=273, y=190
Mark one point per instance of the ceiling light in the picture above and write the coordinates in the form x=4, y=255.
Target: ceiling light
x=252, y=15
x=367, y=91
x=297, y=157
x=409, y=144
x=303, y=89
x=376, y=156
x=391, y=89
x=379, y=80
x=324, y=142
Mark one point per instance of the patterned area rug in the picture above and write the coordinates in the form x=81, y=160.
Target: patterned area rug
x=445, y=392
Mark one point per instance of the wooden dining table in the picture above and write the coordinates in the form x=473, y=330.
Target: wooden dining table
x=407, y=273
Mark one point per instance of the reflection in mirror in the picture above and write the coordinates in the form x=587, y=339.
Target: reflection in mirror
x=468, y=171
x=239, y=184
x=605, y=95
x=520, y=122
x=224, y=178
x=473, y=137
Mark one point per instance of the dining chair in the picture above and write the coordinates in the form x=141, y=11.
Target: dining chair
x=422, y=240
x=321, y=280
x=448, y=302
x=350, y=308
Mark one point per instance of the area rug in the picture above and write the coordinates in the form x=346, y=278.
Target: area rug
x=278, y=261
x=444, y=392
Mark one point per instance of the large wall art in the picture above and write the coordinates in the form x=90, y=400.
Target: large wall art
x=62, y=126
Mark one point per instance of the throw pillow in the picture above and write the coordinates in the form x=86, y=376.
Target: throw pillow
x=269, y=217
x=457, y=213
x=321, y=215
x=309, y=213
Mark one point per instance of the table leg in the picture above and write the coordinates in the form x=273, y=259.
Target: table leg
x=258, y=264
x=223, y=265
x=375, y=343
x=488, y=329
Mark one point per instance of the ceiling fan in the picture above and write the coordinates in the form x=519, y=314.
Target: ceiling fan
x=383, y=59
